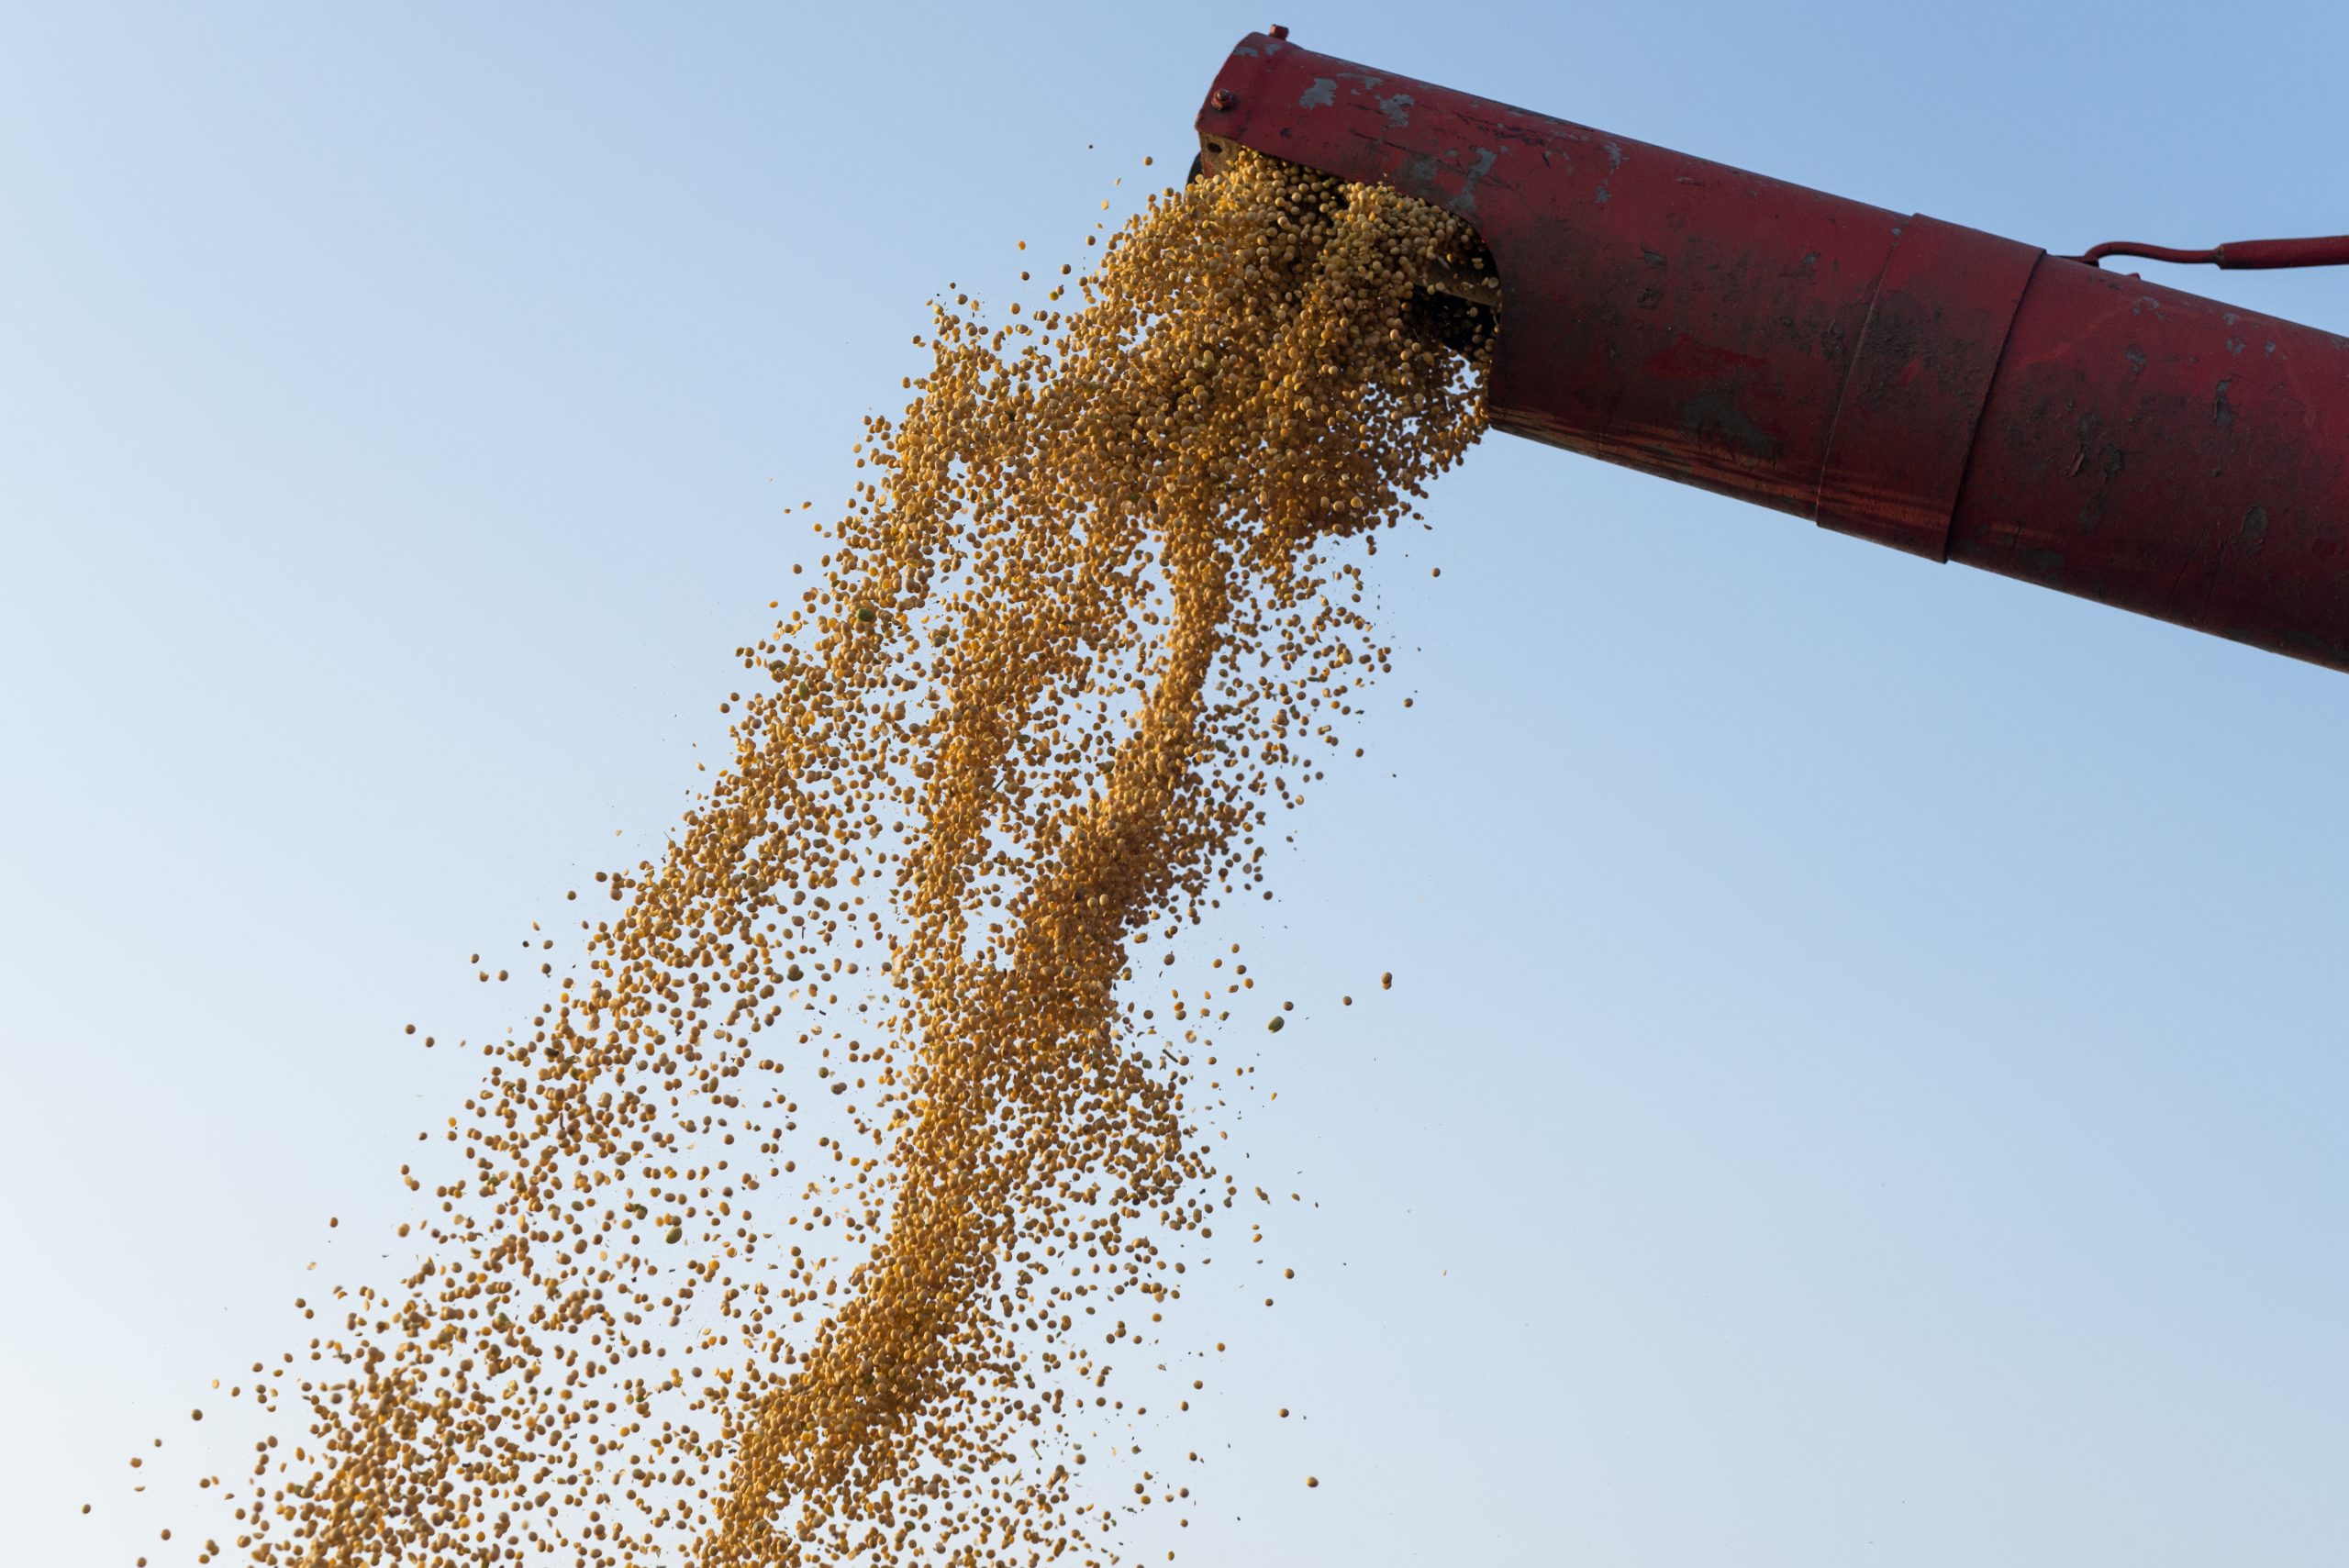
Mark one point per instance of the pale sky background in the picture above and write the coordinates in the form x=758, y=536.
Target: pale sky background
x=1865, y=1078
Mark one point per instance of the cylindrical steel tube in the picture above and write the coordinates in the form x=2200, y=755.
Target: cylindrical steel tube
x=1914, y=381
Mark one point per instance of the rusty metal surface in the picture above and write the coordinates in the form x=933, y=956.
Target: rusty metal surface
x=2170, y=455
x=1901, y=379
x=1918, y=382
x=1673, y=315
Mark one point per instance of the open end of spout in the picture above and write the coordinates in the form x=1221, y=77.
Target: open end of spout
x=1459, y=299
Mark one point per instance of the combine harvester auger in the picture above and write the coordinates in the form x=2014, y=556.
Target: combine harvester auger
x=1893, y=376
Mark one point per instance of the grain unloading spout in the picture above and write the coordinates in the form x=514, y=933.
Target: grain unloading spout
x=1893, y=376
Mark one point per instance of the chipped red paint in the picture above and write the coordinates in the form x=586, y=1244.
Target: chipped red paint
x=1913, y=382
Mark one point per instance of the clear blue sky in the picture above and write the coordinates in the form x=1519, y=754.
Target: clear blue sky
x=1865, y=1077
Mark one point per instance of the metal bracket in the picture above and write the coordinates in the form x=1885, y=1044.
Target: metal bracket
x=2327, y=251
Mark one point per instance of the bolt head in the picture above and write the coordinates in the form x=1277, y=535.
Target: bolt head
x=1222, y=98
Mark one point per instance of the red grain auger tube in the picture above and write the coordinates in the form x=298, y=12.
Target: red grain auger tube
x=1903, y=379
